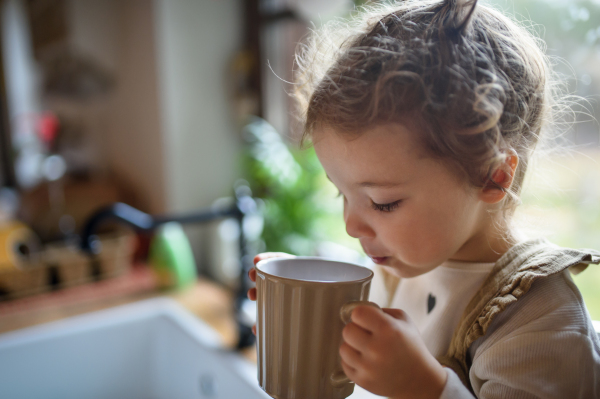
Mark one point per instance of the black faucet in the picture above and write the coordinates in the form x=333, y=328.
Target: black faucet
x=244, y=205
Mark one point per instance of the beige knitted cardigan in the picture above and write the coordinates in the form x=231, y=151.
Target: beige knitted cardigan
x=510, y=279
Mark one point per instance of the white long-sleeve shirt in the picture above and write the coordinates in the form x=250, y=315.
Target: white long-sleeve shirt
x=542, y=346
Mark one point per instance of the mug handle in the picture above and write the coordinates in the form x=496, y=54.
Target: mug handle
x=338, y=378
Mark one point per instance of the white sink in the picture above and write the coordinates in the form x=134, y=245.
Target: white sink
x=152, y=349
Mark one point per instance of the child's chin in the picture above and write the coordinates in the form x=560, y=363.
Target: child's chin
x=401, y=270
x=394, y=271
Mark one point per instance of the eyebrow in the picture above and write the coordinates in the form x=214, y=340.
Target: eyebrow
x=379, y=184
x=375, y=184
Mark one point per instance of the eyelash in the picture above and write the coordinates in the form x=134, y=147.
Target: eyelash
x=389, y=207
x=386, y=207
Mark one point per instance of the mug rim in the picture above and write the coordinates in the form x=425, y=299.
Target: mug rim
x=273, y=276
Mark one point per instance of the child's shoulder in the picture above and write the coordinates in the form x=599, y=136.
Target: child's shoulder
x=543, y=296
x=545, y=339
x=553, y=303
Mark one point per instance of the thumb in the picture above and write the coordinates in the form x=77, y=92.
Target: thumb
x=398, y=314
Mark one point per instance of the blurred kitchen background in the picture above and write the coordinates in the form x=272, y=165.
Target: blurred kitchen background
x=180, y=109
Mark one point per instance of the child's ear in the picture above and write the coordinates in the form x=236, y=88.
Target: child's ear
x=500, y=180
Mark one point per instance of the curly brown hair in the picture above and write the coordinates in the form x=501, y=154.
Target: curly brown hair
x=478, y=83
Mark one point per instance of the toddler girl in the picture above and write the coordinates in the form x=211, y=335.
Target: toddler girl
x=424, y=115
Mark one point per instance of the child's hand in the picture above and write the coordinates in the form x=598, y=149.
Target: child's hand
x=252, y=273
x=383, y=352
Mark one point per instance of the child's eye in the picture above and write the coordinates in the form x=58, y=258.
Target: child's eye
x=386, y=207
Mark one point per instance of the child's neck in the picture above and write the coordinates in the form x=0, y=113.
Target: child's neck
x=487, y=246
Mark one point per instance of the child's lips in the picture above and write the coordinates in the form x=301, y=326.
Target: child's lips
x=379, y=259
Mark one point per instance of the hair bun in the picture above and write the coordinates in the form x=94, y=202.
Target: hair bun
x=454, y=16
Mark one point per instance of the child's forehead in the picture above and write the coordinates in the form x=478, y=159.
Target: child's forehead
x=385, y=156
x=379, y=150
x=383, y=139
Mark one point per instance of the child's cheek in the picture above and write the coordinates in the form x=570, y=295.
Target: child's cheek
x=408, y=239
x=420, y=241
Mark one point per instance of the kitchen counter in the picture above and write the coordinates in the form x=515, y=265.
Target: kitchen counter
x=205, y=299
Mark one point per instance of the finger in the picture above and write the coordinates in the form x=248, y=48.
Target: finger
x=356, y=336
x=252, y=294
x=254, y=329
x=252, y=274
x=350, y=356
x=369, y=318
x=396, y=313
x=349, y=370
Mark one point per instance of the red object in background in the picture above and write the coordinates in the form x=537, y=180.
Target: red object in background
x=47, y=127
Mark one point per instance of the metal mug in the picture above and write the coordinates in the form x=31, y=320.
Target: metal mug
x=302, y=306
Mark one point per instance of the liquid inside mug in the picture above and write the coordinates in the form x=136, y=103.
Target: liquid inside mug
x=302, y=307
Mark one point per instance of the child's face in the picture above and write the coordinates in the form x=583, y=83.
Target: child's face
x=409, y=211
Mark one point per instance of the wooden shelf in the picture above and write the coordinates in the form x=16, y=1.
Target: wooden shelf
x=210, y=302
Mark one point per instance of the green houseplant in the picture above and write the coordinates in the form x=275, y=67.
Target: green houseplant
x=300, y=207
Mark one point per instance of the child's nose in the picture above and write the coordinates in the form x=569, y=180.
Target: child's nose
x=356, y=226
